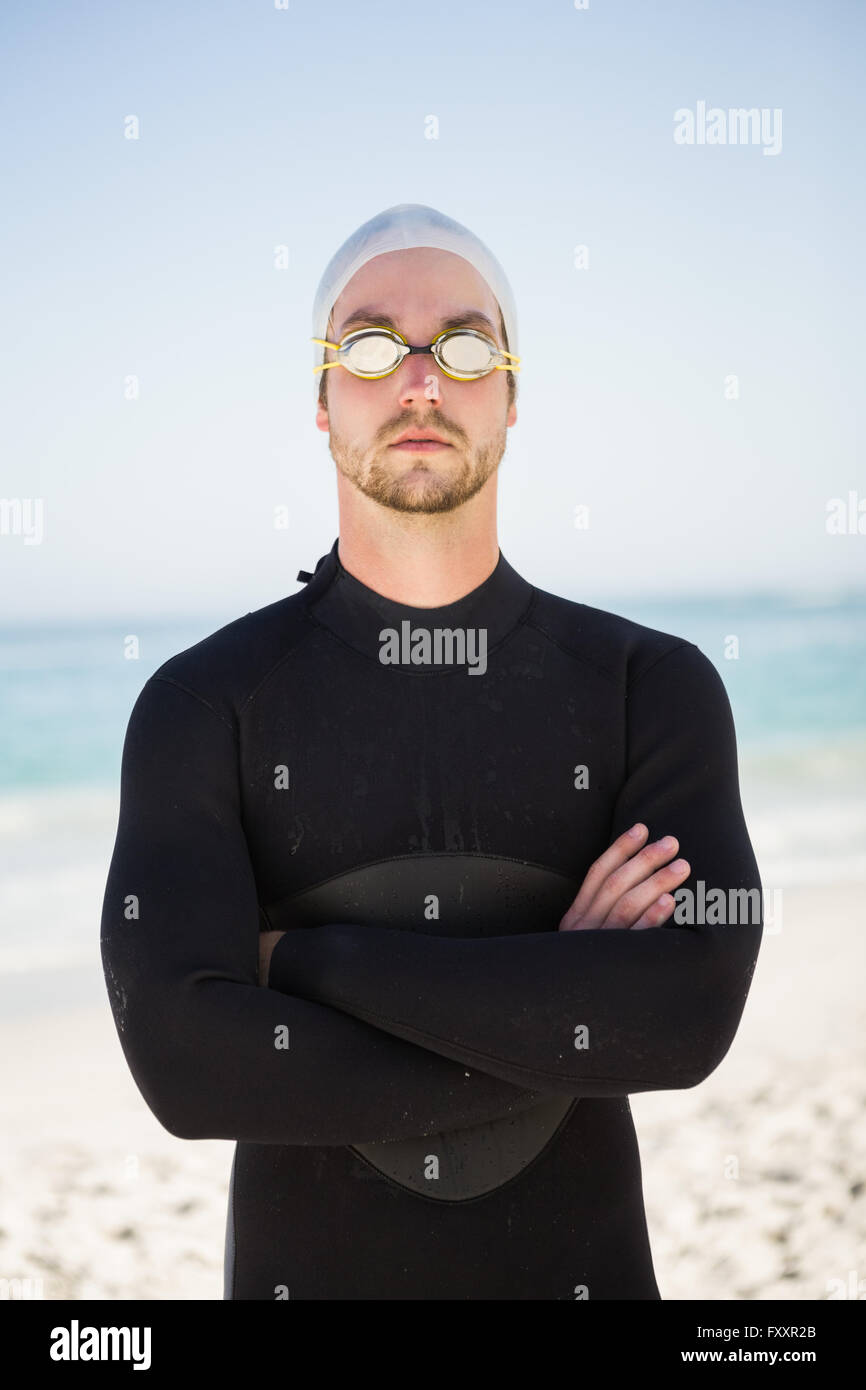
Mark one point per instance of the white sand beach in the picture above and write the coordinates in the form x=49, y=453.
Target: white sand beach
x=755, y=1181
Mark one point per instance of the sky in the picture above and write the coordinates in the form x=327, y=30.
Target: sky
x=696, y=384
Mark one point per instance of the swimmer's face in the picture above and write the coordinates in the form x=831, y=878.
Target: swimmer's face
x=417, y=289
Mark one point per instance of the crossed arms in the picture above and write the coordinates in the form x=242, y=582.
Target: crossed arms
x=454, y=1031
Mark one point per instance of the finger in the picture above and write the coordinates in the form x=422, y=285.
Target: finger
x=631, y=875
x=627, y=875
x=657, y=913
x=628, y=909
x=623, y=847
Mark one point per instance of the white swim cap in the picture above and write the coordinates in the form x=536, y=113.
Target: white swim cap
x=397, y=229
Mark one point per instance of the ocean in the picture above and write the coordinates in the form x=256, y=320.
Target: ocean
x=797, y=686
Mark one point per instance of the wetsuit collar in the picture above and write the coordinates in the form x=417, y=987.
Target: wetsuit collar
x=358, y=614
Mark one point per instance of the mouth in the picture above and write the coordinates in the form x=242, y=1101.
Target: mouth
x=420, y=446
x=420, y=443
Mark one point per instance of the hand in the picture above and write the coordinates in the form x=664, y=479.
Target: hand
x=624, y=888
x=267, y=942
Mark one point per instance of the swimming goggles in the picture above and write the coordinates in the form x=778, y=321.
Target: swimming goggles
x=464, y=354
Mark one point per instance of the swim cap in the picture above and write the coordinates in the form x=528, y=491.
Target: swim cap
x=397, y=229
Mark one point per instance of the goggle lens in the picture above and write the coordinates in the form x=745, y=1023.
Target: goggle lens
x=463, y=352
x=370, y=355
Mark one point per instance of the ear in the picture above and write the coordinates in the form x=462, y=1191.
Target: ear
x=322, y=420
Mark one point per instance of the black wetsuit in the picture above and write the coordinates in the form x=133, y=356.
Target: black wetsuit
x=430, y=1098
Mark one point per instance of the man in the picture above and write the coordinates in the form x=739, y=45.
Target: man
x=391, y=902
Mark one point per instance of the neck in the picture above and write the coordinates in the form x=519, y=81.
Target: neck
x=420, y=559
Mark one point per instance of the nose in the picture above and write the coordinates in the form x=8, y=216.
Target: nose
x=418, y=378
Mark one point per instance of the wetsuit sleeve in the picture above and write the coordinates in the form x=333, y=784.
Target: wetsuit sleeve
x=595, y=1013
x=214, y=1054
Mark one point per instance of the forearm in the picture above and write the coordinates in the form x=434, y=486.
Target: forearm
x=590, y=1013
x=219, y=1059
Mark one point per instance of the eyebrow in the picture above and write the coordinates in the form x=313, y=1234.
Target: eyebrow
x=371, y=315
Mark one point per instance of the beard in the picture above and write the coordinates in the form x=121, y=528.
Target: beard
x=419, y=483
